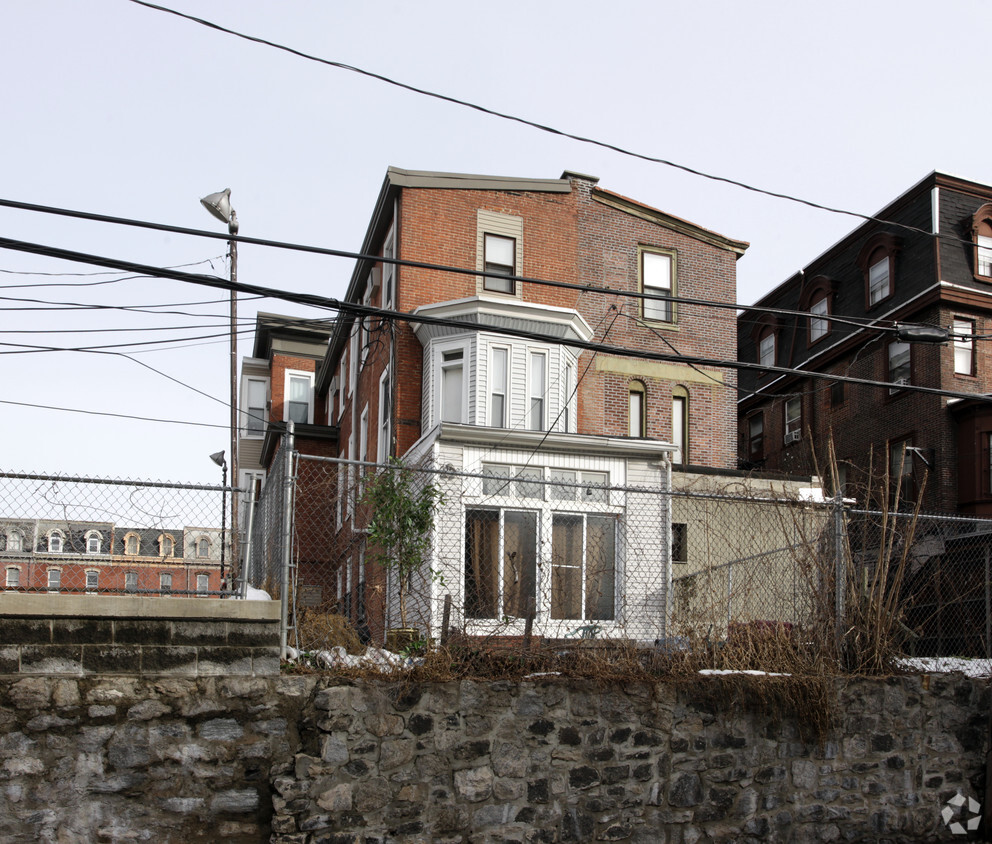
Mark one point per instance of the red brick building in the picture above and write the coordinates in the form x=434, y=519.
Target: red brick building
x=483, y=377
x=925, y=260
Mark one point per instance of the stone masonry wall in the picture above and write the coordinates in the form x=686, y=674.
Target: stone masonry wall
x=308, y=760
x=550, y=762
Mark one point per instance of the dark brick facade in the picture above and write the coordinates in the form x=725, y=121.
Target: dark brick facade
x=933, y=281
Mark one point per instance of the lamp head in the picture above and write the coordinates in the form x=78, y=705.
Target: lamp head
x=218, y=458
x=219, y=205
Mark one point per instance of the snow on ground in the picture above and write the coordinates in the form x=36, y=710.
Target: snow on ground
x=948, y=665
x=376, y=658
x=253, y=594
x=752, y=672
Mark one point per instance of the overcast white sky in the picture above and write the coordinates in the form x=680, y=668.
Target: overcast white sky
x=118, y=109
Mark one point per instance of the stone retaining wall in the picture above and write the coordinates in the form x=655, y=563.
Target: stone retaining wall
x=305, y=760
x=79, y=635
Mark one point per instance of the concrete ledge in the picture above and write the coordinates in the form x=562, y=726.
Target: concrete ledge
x=18, y=604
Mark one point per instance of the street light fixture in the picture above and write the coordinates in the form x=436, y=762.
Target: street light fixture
x=219, y=205
x=218, y=458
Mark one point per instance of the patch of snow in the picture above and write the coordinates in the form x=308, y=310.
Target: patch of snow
x=948, y=665
x=750, y=671
x=253, y=594
x=376, y=658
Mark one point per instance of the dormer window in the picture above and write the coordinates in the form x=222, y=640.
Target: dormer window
x=166, y=545
x=766, y=348
x=132, y=544
x=818, y=325
x=56, y=541
x=877, y=261
x=981, y=232
x=203, y=547
x=817, y=298
x=15, y=541
x=94, y=542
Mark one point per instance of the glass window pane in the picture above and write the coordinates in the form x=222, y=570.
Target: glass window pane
x=519, y=562
x=595, y=487
x=566, y=491
x=481, y=563
x=878, y=281
x=600, y=556
x=656, y=272
x=495, y=485
x=566, y=567
x=963, y=346
x=451, y=393
x=636, y=414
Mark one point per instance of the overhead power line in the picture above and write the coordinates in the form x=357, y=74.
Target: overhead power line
x=360, y=310
x=401, y=262
x=522, y=120
x=115, y=415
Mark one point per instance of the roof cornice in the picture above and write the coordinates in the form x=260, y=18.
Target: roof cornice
x=646, y=212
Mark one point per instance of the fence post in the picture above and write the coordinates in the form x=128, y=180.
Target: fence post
x=840, y=573
x=287, y=541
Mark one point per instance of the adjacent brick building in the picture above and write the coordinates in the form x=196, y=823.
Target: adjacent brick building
x=926, y=259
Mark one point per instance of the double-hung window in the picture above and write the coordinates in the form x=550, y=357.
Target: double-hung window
x=636, y=419
x=13, y=578
x=54, y=580
x=92, y=580
x=255, y=395
x=818, y=324
x=964, y=346
x=793, y=419
x=899, y=365
x=878, y=280
x=94, y=542
x=500, y=257
x=453, y=385
x=766, y=349
x=658, y=279
x=498, y=387
x=130, y=581
x=756, y=437
x=299, y=397
x=538, y=391
x=385, y=418
x=15, y=541
x=680, y=424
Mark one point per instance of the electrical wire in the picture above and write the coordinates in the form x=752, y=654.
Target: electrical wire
x=358, y=310
x=524, y=121
x=115, y=415
x=89, y=275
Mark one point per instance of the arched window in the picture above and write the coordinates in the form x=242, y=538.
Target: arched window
x=203, y=547
x=765, y=333
x=15, y=541
x=817, y=298
x=166, y=545
x=56, y=541
x=94, y=542
x=637, y=410
x=680, y=424
x=132, y=544
x=981, y=232
x=877, y=260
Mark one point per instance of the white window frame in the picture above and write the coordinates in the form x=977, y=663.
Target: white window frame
x=440, y=350
x=496, y=284
x=15, y=541
x=766, y=349
x=964, y=346
x=127, y=544
x=308, y=377
x=384, y=432
x=54, y=580
x=983, y=246
x=793, y=416
x=92, y=535
x=363, y=448
x=56, y=542
x=535, y=401
x=899, y=374
x=389, y=271
x=651, y=271
x=130, y=582
x=199, y=546
x=247, y=416
x=92, y=580
x=636, y=409
x=680, y=428
x=499, y=390
x=879, y=280
x=499, y=225
x=819, y=325
x=165, y=582
x=569, y=421
x=202, y=583
x=13, y=580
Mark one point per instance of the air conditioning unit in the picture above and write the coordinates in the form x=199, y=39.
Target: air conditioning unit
x=792, y=437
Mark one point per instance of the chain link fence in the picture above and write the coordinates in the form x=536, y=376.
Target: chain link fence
x=509, y=553
x=65, y=535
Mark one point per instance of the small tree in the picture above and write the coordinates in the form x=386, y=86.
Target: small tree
x=402, y=504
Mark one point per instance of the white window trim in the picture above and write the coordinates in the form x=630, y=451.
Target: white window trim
x=467, y=348
x=962, y=347
x=389, y=270
x=819, y=325
x=246, y=415
x=508, y=351
x=297, y=373
x=58, y=579
x=94, y=534
x=56, y=534
x=542, y=423
x=502, y=225
x=661, y=290
x=7, y=581
x=342, y=382
x=384, y=430
x=95, y=574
